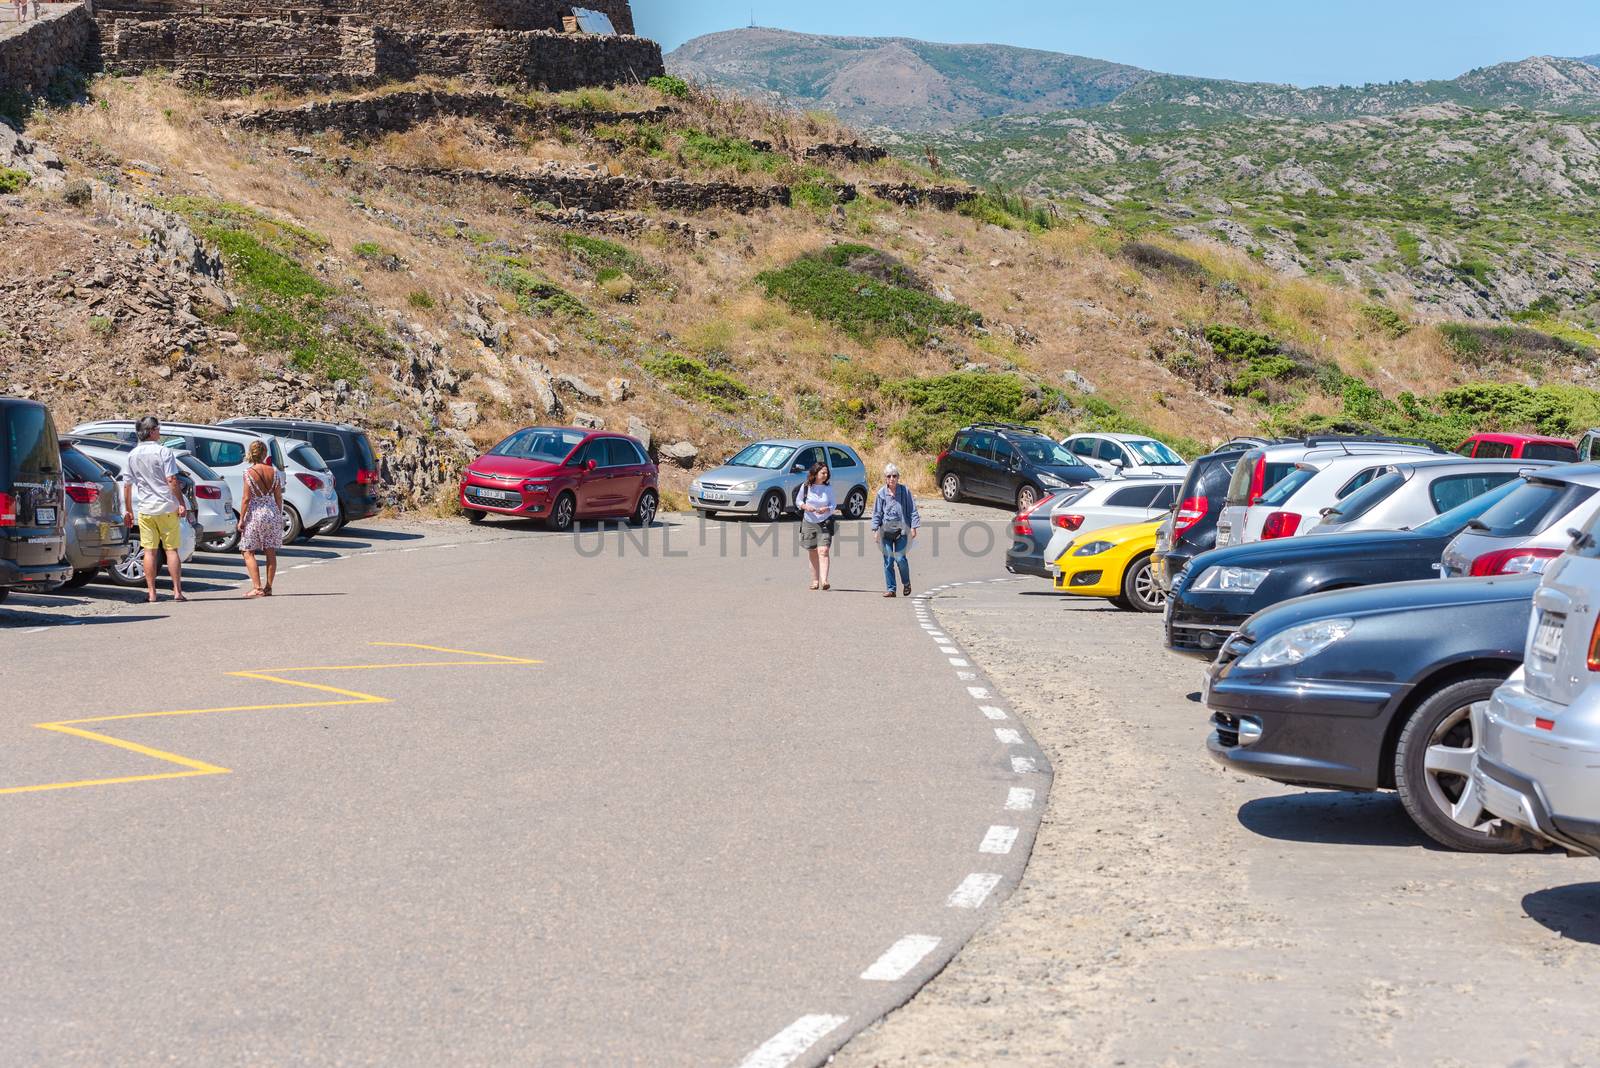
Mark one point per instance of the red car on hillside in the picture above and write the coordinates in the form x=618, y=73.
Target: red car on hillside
x=560, y=475
x=1519, y=447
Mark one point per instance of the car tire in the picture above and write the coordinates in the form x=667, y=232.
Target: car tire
x=474, y=516
x=645, y=512
x=705, y=513
x=950, y=487
x=292, y=526
x=1027, y=496
x=222, y=543
x=1140, y=590
x=855, y=505
x=771, y=509
x=563, y=514
x=129, y=571
x=1432, y=771
x=80, y=579
x=4, y=593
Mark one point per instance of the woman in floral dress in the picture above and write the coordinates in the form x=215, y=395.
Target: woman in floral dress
x=261, y=522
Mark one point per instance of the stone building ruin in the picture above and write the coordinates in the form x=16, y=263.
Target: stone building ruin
x=329, y=43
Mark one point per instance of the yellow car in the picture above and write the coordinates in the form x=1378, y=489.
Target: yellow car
x=1113, y=562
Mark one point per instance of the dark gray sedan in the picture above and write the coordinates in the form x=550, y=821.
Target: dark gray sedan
x=1031, y=531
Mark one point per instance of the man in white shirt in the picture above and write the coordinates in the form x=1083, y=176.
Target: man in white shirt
x=150, y=490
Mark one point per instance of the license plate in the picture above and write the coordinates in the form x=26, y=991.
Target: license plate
x=715, y=500
x=498, y=495
x=1547, y=636
x=44, y=517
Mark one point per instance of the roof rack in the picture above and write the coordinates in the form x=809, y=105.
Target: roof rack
x=1372, y=439
x=986, y=425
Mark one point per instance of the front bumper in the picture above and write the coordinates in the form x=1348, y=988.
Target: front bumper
x=1089, y=576
x=1198, y=631
x=725, y=502
x=472, y=496
x=1540, y=780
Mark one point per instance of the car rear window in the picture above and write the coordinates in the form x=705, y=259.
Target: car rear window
x=1209, y=478
x=1365, y=499
x=839, y=458
x=31, y=453
x=214, y=453
x=1492, y=450
x=1244, y=476
x=1538, y=450
x=306, y=456
x=1530, y=508
x=196, y=467
x=329, y=446
x=1288, y=485
x=81, y=468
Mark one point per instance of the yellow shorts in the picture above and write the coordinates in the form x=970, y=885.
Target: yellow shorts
x=159, y=531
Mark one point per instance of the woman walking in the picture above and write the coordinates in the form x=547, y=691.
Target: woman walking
x=817, y=509
x=261, y=528
x=895, y=520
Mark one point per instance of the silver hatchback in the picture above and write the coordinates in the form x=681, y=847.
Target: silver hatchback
x=764, y=478
x=1538, y=759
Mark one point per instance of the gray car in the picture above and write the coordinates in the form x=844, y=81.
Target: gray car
x=1538, y=756
x=765, y=477
x=96, y=537
x=1528, y=529
x=1414, y=492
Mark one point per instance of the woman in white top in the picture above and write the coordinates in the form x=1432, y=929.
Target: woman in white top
x=817, y=511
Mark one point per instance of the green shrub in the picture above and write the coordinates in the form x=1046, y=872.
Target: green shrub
x=694, y=381
x=13, y=180
x=534, y=293
x=1237, y=343
x=1386, y=320
x=669, y=85
x=850, y=286
x=598, y=252
x=818, y=196
x=1513, y=344
x=709, y=150
x=102, y=326
x=1150, y=258
x=1008, y=211
x=419, y=299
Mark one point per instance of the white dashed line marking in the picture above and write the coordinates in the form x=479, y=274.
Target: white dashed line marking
x=1023, y=765
x=998, y=840
x=974, y=889
x=966, y=676
x=956, y=661
x=900, y=958
x=1007, y=736
x=992, y=712
x=783, y=1048
x=1020, y=799
x=979, y=693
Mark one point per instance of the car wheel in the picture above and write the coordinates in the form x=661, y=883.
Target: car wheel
x=705, y=513
x=855, y=505
x=129, y=571
x=474, y=516
x=645, y=513
x=1433, y=772
x=771, y=509
x=292, y=527
x=4, y=593
x=1140, y=589
x=563, y=513
x=1027, y=497
x=80, y=579
x=950, y=487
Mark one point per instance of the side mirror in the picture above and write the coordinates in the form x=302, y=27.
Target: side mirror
x=1119, y=464
x=589, y=465
x=798, y=469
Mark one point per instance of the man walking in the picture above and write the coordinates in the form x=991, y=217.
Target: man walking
x=895, y=520
x=151, y=491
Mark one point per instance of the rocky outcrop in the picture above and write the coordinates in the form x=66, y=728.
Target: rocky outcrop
x=940, y=197
x=854, y=152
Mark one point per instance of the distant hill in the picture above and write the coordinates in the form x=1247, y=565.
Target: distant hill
x=898, y=83
x=1593, y=61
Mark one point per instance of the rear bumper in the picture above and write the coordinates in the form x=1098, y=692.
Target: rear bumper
x=13, y=576
x=359, y=502
x=1028, y=565
x=1543, y=781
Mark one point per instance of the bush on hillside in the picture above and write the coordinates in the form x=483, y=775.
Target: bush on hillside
x=1510, y=344
x=867, y=294
x=534, y=293
x=694, y=381
x=670, y=85
x=1153, y=259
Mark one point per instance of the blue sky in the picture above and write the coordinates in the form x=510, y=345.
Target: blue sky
x=1302, y=42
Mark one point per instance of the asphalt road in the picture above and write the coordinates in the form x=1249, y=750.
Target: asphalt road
x=495, y=796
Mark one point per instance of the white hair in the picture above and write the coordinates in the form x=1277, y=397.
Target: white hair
x=890, y=469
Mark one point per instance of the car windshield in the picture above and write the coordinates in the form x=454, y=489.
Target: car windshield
x=764, y=455
x=1288, y=486
x=546, y=446
x=1045, y=453
x=1364, y=499
x=199, y=470
x=1153, y=452
x=1449, y=524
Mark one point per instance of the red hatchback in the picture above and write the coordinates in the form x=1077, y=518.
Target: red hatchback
x=561, y=475
x=1519, y=447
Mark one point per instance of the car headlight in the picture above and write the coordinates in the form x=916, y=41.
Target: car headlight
x=1297, y=643
x=1093, y=548
x=1230, y=580
x=1052, y=481
x=743, y=487
x=537, y=483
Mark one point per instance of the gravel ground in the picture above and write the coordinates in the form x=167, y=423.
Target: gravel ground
x=1175, y=913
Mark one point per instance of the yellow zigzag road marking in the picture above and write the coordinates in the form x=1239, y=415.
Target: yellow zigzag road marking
x=199, y=767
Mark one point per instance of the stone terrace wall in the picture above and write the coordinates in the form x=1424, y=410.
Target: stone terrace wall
x=33, y=54
x=556, y=61
x=368, y=117
x=440, y=15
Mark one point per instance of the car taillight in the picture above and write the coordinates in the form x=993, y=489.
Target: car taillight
x=1067, y=522
x=8, y=510
x=1527, y=561
x=312, y=482
x=1280, y=525
x=1258, y=480
x=1190, y=512
x=365, y=477
x=208, y=493
x=942, y=455
x=83, y=492
x=1021, y=525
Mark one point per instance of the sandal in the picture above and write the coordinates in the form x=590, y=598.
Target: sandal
x=826, y=586
x=814, y=585
x=254, y=593
x=266, y=591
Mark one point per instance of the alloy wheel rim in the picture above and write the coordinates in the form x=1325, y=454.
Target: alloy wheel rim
x=1026, y=499
x=1447, y=767
x=951, y=487
x=130, y=567
x=648, y=512
x=858, y=504
x=1147, y=589
x=772, y=509
x=563, y=512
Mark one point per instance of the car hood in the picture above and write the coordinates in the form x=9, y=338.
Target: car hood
x=740, y=473
x=1422, y=596
x=1124, y=534
x=511, y=467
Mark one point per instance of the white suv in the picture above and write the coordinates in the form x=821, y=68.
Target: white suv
x=1280, y=491
x=1107, y=504
x=1132, y=454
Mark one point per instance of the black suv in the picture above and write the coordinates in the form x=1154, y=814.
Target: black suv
x=33, y=531
x=1191, y=529
x=1014, y=465
x=347, y=452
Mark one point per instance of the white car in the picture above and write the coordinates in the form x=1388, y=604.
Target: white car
x=1107, y=504
x=1280, y=491
x=310, y=498
x=1414, y=492
x=1529, y=528
x=1131, y=454
x=216, y=519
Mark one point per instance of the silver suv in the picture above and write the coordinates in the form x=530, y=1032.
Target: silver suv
x=765, y=477
x=1538, y=759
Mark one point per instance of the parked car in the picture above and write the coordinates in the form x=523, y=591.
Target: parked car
x=1114, y=503
x=220, y=448
x=560, y=475
x=1130, y=454
x=215, y=519
x=1275, y=489
x=1030, y=533
x=33, y=532
x=310, y=501
x=765, y=477
x=1538, y=757
x=1373, y=689
x=1412, y=493
x=1589, y=446
x=1529, y=528
x=1519, y=447
x=1113, y=563
x=1011, y=465
x=96, y=537
x=1223, y=588
x=1192, y=527
x=344, y=448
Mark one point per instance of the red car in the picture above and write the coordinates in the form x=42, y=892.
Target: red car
x=1518, y=447
x=561, y=475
